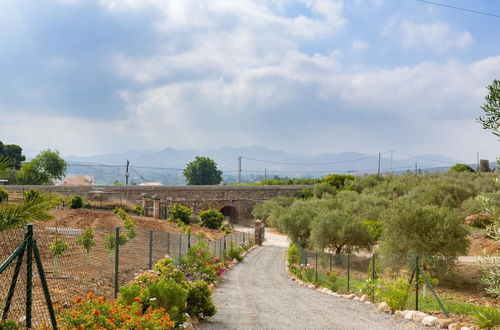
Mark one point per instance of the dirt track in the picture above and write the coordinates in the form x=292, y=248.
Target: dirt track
x=258, y=294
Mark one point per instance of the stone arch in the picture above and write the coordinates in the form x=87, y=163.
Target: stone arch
x=230, y=212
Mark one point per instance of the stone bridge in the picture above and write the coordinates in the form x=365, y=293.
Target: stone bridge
x=235, y=202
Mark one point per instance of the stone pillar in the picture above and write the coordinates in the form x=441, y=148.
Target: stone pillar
x=156, y=206
x=145, y=198
x=258, y=232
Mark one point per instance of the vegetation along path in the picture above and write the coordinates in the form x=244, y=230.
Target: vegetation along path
x=258, y=294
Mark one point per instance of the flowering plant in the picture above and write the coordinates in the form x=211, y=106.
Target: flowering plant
x=99, y=313
x=332, y=280
x=199, y=264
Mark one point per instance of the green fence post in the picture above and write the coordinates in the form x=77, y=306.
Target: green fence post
x=373, y=277
x=316, y=269
x=220, y=248
x=348, y=272
x=150, y=255
x=19, y=253
x=330, y=255
x=225, y=244
x=45, y=287
x=117, y=258
x=416, y=281
x=29, y=274
x=189, y=241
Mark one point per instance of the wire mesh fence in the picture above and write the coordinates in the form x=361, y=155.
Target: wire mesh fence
x=442, y=284
x=71, y=270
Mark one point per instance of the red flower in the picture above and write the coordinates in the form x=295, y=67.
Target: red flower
x=137, y=299
x=96, y=313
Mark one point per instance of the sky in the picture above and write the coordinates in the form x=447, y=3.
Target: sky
x=91, y=77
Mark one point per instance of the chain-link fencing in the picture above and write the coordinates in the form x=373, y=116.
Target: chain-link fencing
x=100, y=264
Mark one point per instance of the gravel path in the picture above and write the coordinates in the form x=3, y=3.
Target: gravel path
x=258, y=294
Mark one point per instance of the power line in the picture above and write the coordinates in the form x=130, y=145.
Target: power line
x=425, y=158
x=459, y=8
x=311, y=164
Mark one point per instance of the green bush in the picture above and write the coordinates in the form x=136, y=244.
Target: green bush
x=461, y=168
x=305, y=193
x=31, y=194
x=110, y=241
x=234, y=252
x=199, y=300
x=165, y=293
x=128, y=293
x=9, y=325
x=395, y=292
x=86, y=241
x=211, y=218
x=4, y=195
x=320, y=189
x=332, y=279
x=487, y=317
x=293, y=254
x=369, y=287
x=58, y=247
x=199, y=264
x=180, y=213
x=76, y=202
x=139, y=210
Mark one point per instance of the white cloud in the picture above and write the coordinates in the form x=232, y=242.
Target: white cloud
x=436, y=37
x=359, y=45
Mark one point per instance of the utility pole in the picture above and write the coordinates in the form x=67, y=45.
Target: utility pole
x=126, y=174
x=392, y=151
x=416, y=170
x=477, y=167
x=265, y=174
x=379, y=154
x=239, y=169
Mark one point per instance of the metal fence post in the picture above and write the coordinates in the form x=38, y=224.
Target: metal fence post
x=29, y=274
x=417, y=268
x=225, y=244
x=373, y=277
x=189, y=241
x=150, y=255
x=348, y=272
x=117, y=258
x=316, y=269
x=330, y=255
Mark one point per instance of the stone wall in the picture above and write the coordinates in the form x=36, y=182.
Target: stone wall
x=241, y=198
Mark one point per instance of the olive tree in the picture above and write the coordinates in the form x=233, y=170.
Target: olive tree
x=202, y=171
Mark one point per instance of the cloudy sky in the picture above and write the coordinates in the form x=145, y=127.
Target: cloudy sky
x=89, y=77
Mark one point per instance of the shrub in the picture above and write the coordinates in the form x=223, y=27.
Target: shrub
x=480, y=220
x=305, y=193
x=76, y=202
x=164, y=293
x=86, y=241
x=58, y=247
x=127, y=222
x=139, y=210
x=31, y=194
x=491, y=276
x=92, y=313
x=199, y=264
x=461, y=168
x=9, y=325
x=165, y=268
x=129, y=293
x=369, y=287
x=211, y=218
x=110, y=241
x=332, y=281
x=226, y=230
x=199, y=300
x=4, y=195
x=487, y=317
x=293, y=254
x=180, y=213
x=320, y=189
x=234, y=252
x=395, y=292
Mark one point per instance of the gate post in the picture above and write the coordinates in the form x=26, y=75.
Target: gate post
x=258, y=232
x=156, y=206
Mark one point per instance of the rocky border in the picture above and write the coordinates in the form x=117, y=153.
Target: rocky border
x=410, y=315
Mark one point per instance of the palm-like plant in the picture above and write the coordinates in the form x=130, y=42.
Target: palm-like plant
x=15, y=215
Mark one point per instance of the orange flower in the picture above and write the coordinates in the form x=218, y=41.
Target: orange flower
x=101, y=299
x=137, y=299
x=78, y=299
x=90, y=295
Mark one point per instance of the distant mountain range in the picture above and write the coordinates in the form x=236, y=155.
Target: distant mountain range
x=257, y=162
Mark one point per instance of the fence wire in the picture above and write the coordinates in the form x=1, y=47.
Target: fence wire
x=75, y=272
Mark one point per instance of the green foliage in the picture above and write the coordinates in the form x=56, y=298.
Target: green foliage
x=211, y=218
x=58, y=247
x=110, y=241
x=43, y=169
x=4, y=195
x=461, y=168
x=31, y=194
x=234, y=252
x=395, y=292
x=86, y=239
x=199, y=300
x=33, y=209
x=12, y=152
x=305, y=193
x=426, y=230
x=76, y=202
x=375, y=228
x=128, y=223
x=297, y=220
x=337, y=230
x=202, y=171
x=491, y=276
x=199, y=264
x=487, y=317
x=323, y=188
x=165, y=268
x=369, y=286
x=9, y=325
x=129, y=293
x=180, y=213
x=339, y=181
x=332, y=279
x=139, y=210
x=491, y=118
x=293, y=254
x=165, y=293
